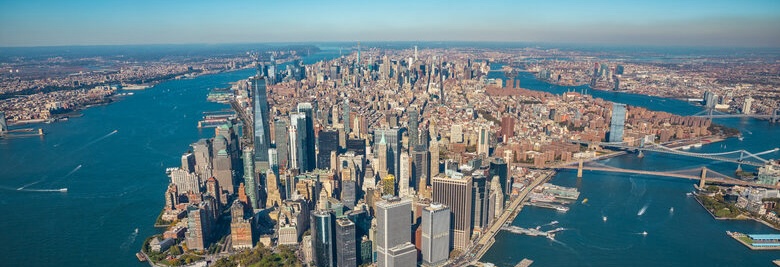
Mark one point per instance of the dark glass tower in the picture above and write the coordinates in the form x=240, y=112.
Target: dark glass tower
x=261, y=132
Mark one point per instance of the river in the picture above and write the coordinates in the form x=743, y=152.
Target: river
x=683, y=236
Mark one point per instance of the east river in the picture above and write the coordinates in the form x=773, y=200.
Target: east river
x=683, y=236
x=112, y=162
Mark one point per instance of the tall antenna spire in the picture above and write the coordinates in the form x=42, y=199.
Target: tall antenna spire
x=358, y=55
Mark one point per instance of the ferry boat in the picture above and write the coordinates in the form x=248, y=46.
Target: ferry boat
x=562, y=208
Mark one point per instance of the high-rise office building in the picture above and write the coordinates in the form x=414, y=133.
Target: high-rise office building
x=394, y=219
x=240, y=227
x=479, y=201
x=297, y=141
x=262, y=136
x=202, y=151
x=346, y=243
x=483, y=141
x=400, y=256
x=405, y=175
x=345, y=116
x=393, y=140
x=309, y=142
x=420, y=165
x=281, y=138
x=435, y=225
x=322, y=239
x=199, y=225
x=456, y=193
x=349, y=193
x=188, y=162
x=223, y=171
x=328, y=142
x=617, y=123
x=185, y=182
x=495, y=198
x=250, y=180
x=381, y=152
x=499, y=167
x=507, y=127
x=414, y=131
x=273, y=192
x=746, y=107
x=434, y=162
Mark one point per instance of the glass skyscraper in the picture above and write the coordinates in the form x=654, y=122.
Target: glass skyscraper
x=262, y=134
x=617, y=123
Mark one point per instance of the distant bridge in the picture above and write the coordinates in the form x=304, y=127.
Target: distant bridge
x=702, y=174
x=755, y=159
x=713, y=114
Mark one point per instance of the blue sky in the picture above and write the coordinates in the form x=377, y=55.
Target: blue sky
x=661, y=22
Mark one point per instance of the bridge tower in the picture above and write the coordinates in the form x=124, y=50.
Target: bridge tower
x=579, y=169
x=703, y=177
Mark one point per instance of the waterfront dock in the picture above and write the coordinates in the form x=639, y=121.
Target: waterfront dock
x=524, y=263
x=757, y=241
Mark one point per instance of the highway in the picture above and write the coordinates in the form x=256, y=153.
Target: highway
x=483, y=244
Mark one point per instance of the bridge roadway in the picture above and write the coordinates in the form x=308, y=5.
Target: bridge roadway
x=673, y=175
x=677, y=152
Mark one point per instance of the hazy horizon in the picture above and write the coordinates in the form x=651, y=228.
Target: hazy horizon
x=751, y=23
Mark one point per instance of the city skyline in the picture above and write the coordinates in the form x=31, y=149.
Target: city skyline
x=690, y=23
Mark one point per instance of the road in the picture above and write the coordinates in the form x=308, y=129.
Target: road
x=483, y=244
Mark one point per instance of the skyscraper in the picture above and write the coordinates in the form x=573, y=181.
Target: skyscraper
x=394, y=219
x=420, y=165
x=483, y=142
x=346, y=243
x=499, y=167
x=223, y=170
x=434, y=153
x=202, y=151
x=240, y=228
x=345, y=116
x=479, y=201
x=322, y=239
x=456, y=193
x=250, y=182
x=309, y=155
x=617, y=123
x=297, y=141
x=414, y=133
x=281, y=138
x=435, y=225
x=507, y=127
x=262, y=136
x=328, y=142
x=393, y=139
x=274, y=195
x=405, y=174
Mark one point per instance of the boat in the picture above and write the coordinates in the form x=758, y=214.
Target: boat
x=604, y=218
x=64, y=190
x=689, y=194
x=740, y=138
x=553, y=222
x=584, y=201
x=697, y=145
x=671, y=209
x=644, y=233
x=686, y=147
x=562, y=208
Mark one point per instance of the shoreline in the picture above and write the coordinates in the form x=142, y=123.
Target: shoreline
x=734, y=219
